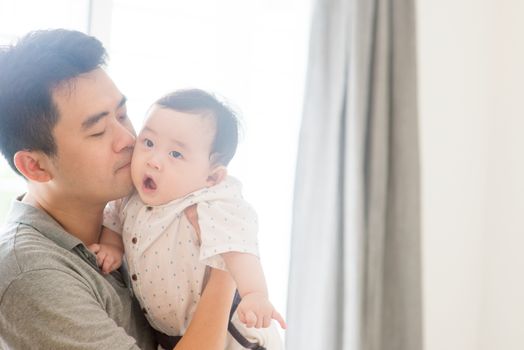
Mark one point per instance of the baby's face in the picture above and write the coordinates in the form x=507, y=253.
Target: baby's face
x=171, y=156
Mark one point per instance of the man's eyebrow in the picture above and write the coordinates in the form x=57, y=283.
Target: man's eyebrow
x=92, y=120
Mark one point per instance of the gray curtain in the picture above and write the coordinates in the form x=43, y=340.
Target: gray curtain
x=355, y=273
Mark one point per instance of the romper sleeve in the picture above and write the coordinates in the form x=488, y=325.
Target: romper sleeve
x=114, y=216
x=227, y=224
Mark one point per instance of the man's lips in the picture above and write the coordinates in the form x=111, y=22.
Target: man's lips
x=123, y=166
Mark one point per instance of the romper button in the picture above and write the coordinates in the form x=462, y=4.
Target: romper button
x=134, y=240
x=133, y=277
x=149, y=208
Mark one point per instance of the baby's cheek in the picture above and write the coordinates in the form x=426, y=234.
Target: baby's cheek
x=136, y=171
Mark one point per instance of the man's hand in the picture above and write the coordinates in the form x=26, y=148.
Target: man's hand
x=108, y=256
x=255, y=310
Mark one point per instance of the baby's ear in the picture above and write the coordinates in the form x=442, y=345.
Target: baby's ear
x=217, y=175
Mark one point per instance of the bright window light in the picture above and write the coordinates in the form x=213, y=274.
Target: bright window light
x=16, y=19
x=253, y=53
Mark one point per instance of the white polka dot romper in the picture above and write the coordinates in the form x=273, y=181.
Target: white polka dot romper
x=166, y=261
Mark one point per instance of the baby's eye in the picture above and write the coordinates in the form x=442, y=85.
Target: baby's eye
x=148, y=143
x=175, y=154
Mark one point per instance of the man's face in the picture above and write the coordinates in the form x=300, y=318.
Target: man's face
x=94, y=138
x=171, y=157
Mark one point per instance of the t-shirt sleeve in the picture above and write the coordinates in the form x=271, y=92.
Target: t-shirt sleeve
x=226, y=226
x=114, y=216
x=50, y=309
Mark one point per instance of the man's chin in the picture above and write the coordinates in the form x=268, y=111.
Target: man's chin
x=129, y=189
x=122, y=189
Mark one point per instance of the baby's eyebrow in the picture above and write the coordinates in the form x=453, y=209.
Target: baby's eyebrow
x=179, y=143
x=148, y=129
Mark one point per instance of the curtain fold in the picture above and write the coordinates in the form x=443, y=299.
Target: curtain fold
x=355, y=273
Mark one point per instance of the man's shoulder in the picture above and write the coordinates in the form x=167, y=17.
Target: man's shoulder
x=53, y=292
x=24, y=250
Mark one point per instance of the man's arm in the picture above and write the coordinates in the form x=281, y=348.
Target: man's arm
x=208, y=328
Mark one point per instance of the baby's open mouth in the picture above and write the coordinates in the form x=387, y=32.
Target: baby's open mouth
x=149, y=183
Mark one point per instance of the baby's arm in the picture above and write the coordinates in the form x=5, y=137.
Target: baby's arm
x=254, y=310
x=109, y=250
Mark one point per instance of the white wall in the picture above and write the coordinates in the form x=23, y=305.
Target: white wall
x=502, y=316
x=471, y=65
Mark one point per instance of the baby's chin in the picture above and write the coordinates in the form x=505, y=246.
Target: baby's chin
x=148, y=200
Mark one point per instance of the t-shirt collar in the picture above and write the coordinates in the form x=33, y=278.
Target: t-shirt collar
x=27, y=214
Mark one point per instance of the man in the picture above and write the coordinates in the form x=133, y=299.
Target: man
x=64, y=128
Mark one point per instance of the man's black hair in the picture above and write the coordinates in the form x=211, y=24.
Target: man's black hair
x=29, y=71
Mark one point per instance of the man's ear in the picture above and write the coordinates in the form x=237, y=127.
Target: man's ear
x=33, y=165
x=218, y=173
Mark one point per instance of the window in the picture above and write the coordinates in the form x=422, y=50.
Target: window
x=253, y=53
x=16, y=19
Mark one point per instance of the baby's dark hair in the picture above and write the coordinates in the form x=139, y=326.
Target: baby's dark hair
x=196, y=101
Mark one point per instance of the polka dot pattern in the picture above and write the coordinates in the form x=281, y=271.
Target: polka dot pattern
x=166, y=258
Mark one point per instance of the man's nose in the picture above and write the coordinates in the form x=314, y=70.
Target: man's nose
x=124, y=138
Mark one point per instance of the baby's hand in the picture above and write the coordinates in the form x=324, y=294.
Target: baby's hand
x=108, y=256
x=255, y=310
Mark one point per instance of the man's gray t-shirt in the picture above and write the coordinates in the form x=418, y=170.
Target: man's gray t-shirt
x=53, y=295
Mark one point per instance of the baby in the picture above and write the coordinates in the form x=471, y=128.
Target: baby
x=185, y=215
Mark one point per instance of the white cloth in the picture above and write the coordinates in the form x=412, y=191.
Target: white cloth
x=167, y=263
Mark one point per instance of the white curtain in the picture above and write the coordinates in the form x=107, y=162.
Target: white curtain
x=355, y=274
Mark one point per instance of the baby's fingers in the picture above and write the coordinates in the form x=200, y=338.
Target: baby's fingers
x=276, y=316
x=250, y=319
x=108, y=265
x=95, y=248
x=100, y=258
x=241, y=316
x=266, y=322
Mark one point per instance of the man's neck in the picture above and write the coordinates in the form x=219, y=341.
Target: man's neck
x=78, y=219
